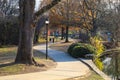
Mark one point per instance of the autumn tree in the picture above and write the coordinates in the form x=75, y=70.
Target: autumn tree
x=90, y=14
x=66, y=14
x=27, y=21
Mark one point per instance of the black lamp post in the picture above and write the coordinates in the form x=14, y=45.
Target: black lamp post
x=47, y=22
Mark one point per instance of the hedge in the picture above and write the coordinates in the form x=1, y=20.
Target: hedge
x=80, y=50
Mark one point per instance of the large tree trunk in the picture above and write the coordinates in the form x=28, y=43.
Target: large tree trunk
x=27, y=19
x=25, y=51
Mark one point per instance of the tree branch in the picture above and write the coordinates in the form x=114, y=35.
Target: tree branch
x=46, y=8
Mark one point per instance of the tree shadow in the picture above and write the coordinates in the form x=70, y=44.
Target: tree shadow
x=59, y=56
x=7, y=64
x=13, y=63
x=67, y=42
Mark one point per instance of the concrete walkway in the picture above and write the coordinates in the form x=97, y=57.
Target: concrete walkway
x=67, y=67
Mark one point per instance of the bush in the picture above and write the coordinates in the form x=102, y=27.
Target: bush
x=72, y=46
x=9, y=30
x=97, y=43
x=99, y=63
x=80, y=50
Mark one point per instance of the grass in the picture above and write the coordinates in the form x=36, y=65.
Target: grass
x=91, y=76
x=7, y=66
x=63, y=47
x=7, y=54
x=12, y=69
x=41, y=40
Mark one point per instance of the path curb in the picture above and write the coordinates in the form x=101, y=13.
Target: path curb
x=93, y=67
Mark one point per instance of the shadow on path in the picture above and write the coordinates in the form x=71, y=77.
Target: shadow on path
x=59, y=56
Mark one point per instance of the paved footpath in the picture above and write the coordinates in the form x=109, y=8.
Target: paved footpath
x=67, y=67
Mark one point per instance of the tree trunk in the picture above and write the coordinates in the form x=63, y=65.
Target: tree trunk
x=27, y=28
x=66, y=35
x=36, y=37
x=67, y=26
x=93, y=31
x=25, y=51
x=62, y=33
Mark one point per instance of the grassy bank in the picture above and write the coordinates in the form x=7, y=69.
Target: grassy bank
x=91, y=76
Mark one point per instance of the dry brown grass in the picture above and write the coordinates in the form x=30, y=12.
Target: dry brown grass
x=91, y=76
x=62, y=46
x=7, y=67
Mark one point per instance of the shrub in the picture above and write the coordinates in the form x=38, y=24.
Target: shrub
x=92, y=49
x=80, y=50
x=99, y=63
x=72, y=46
x=97, y=43
x=9, y=30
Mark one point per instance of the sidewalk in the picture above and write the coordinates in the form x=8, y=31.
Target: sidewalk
x=67, y=67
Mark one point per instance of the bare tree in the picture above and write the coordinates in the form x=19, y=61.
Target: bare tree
x=9, y=7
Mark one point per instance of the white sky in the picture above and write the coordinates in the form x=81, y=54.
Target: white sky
x=37, y=4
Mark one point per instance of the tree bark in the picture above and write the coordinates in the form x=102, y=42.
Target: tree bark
x=27, y=21
x=46, y=8
x=36, y=37
x=62, y=33
x=67, y=26
x=25, y=51
x=66, y=35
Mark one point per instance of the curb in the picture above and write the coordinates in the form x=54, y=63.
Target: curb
x=94, y=68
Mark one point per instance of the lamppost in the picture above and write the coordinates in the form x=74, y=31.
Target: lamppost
x=47, y=22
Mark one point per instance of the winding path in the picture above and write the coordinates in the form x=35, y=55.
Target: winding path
x=67, y=67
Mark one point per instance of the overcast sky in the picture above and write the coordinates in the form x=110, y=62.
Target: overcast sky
x=37, y=4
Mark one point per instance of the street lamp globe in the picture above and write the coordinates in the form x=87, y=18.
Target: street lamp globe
x=46, y=22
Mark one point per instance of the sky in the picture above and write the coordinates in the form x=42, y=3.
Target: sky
x=37, y=4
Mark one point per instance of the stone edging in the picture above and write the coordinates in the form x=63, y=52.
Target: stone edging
x=93, y=67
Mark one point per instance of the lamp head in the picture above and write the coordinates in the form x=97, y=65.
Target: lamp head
x=46, y=22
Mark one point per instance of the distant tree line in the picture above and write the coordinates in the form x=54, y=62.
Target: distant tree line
x=9, y=32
